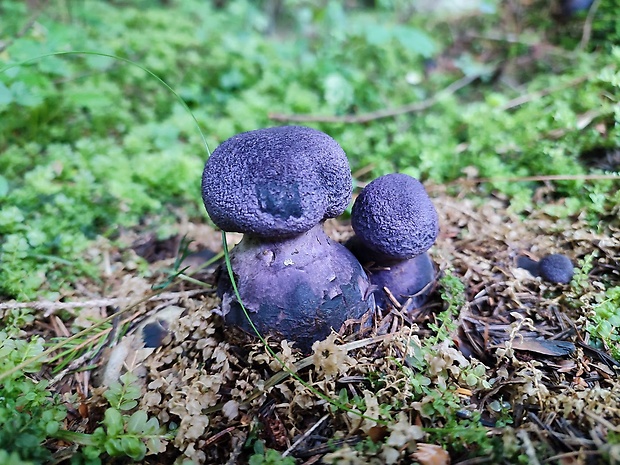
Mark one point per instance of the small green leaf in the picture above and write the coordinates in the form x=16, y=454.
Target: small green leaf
x=113, y=420
x=137, y=422
x=152, y=426
x=114, y=447
x=415, y=41
x=113, y=393
x=472, y=379
x=127, y=404
x=133, y=447
x=4, y=185
x=26, y=96
x=6, y=96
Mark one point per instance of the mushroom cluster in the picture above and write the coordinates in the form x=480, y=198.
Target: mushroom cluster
x=277, y=186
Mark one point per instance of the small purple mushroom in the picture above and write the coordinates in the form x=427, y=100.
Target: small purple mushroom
x=276, y=186
x=553, y=268
x=556, y=268
x=395, y=224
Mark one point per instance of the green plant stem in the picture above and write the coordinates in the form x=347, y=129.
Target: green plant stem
x=126, y=60
x=286, y=370
x=83, y=439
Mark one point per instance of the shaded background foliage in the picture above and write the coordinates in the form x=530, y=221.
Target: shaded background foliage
x=90, y=144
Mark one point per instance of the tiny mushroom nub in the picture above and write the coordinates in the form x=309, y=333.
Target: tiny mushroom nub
x=556, y=268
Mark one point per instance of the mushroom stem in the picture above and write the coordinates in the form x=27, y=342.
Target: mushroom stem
x=299, y=288
x=405, y=279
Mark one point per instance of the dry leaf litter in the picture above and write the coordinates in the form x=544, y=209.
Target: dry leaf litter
x=520, y=352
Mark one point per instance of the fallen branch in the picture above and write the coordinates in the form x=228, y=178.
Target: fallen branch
x=516, y=102
x=380, y=114
x=551, y=177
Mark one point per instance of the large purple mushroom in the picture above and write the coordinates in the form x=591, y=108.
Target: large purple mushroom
x=276, y=182
x=395, y=224
x=276, y=186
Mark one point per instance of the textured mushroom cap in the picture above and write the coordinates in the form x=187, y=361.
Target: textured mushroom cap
x=556, y=268
x=297, y=288
x=276, y=182
x=394, y=216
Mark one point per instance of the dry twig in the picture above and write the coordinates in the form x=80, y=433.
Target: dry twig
x=51, y=307
x=542, y=178
x=516, y=102
x=587, y=26
x=380, y=114
x=305, y=436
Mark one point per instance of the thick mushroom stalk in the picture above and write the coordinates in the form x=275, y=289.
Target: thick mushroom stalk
x=395, y=224
x=298, y=288
x=276, y=186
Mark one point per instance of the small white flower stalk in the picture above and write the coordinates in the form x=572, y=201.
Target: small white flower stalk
x=329, y=358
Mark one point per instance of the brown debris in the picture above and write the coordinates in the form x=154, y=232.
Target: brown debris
x=221, y=387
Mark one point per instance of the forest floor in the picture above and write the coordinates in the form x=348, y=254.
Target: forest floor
x=498, y=371
x=507, y=112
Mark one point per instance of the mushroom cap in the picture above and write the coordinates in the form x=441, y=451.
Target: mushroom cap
x=394, y=216
x=276, y=182
x=556, y=268
x=297, y=288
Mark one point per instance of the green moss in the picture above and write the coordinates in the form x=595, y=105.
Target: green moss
x=89, y=143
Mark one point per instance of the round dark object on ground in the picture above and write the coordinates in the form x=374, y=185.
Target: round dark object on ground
x=405, y=279
x=298, y=288
x=556, y=268
x=276, y=182
x=154, y=333
x=394, y=216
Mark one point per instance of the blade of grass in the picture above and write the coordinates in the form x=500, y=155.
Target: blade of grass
x=286, y=370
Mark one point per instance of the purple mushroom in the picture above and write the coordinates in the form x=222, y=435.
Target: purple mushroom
x=395, y=224
x=276, y=182
x=556, y=268
x=276, y=186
